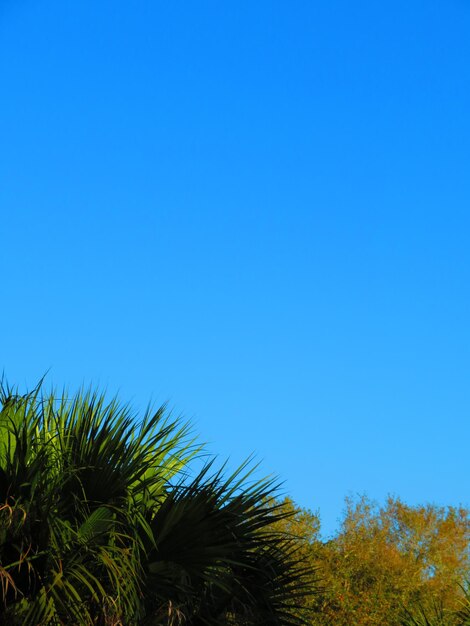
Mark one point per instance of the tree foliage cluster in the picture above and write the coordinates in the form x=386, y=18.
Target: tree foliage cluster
x=103, y=523
x=390, y=565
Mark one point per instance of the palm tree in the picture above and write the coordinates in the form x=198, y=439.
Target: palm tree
x=102, y=524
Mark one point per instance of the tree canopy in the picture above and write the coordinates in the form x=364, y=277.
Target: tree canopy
x=388, y=565
x=103, y=524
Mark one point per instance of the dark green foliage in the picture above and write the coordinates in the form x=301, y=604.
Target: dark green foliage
x=100, y=524
x=219, y=556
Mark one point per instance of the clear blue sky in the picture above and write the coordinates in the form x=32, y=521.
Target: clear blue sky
x=259, y=211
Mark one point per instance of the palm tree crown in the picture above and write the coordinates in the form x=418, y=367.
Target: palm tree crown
x=102, y=524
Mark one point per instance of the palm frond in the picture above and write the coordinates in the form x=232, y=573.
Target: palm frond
x=100, y=524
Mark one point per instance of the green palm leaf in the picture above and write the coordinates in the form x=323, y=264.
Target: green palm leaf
x=100, y=524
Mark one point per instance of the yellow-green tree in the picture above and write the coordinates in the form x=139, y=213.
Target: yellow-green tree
x=391, y=557
x=384, y=561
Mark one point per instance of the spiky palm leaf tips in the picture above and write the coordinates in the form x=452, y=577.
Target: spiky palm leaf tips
x=102, y=523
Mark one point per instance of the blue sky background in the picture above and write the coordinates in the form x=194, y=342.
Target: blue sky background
x=259, y=211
